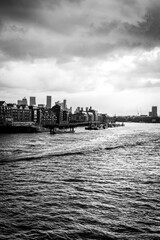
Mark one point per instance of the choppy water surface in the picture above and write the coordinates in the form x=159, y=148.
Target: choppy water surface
x=88, y=185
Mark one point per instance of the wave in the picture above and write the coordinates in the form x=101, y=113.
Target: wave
x=25, y=155
x=19, y=151
x=39, y=157
x=32, y=157
x=74, y=180
x=68, y=154
x=114, y=147
x=124, y=146
x=59, y=234
x=125, y=228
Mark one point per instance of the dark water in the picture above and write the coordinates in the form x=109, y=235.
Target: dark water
x=88, y=185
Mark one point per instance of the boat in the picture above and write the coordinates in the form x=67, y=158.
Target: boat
x=61, y=131
x=95, y=127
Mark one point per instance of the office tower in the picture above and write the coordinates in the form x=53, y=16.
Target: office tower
x=64, y=104
x=49, y=99
x=32, y=101
x=22, y=102
x=154, y=111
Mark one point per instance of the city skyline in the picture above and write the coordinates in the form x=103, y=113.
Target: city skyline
x=93, y=53
x=152, y=111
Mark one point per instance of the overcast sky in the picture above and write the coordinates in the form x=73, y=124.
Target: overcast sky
x=99, y=53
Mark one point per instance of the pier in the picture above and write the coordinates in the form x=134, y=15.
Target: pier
x=70, y=127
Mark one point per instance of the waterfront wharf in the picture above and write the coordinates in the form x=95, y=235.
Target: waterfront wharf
x=72, y=125
x=69, y=125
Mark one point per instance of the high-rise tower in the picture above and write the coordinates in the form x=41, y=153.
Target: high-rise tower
x=49, y=100
x=32, y=101
x=154, y=111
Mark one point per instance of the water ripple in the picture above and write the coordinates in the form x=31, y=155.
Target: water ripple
x=87, y=185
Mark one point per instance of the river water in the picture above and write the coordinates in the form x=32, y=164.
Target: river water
x=87, y=185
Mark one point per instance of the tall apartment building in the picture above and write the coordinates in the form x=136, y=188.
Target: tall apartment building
x=32, y=101
x=49, y=100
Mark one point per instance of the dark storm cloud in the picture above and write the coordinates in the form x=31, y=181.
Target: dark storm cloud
x=18, y=9
x=23, y=9
x=148, y=31
x=143, y=33
x=83, y=28
x=32, y=11
x=26, y=11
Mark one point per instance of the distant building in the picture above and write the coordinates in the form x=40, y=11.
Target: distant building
x=64, y=104
x=22, y=102
x=90, y=116
x=35, y=114
x=84, y=116
x=61, y=112
x=95, y=113
x=79, y=117
x=3, y=108
x=32, y=101
x=78, y=109
x=49, y=100
x=154, y=111
x=143, y=115
x=19, y=113
x=41, y=105
x=48, y=117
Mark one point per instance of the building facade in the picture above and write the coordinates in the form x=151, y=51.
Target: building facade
x=62, y=113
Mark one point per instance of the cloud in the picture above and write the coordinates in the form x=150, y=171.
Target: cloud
x=64, y=29
x=133, y=71
x=89, y=49
x=46, y=75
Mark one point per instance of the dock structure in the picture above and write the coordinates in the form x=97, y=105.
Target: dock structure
x=70, y=126
x=19, y=129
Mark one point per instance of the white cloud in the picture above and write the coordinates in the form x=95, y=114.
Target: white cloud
x=100, y=53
